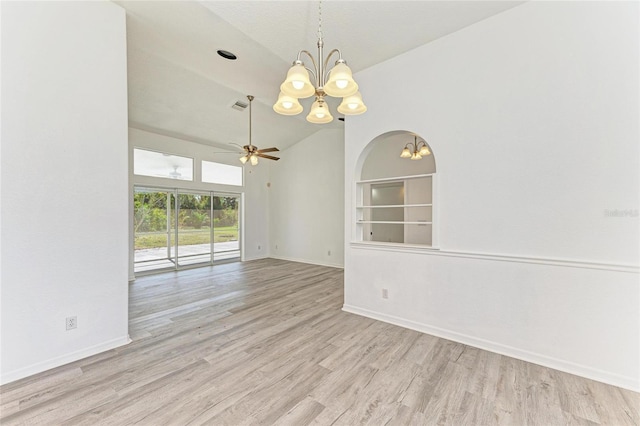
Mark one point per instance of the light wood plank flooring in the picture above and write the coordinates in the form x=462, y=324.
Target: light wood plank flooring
x=265, y=342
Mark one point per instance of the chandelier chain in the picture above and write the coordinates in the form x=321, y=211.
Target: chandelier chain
x=320, y=19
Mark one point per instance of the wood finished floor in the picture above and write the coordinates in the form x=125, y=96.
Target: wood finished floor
x=265, y=342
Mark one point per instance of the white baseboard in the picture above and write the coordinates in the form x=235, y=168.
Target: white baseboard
x=626, y=382
x=39, y=367
x=292, y=259
x=246, y=259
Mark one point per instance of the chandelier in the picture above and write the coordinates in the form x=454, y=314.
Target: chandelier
x=415, y=150
x=335, y=82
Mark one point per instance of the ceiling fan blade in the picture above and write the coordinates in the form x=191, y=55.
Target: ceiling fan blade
x=270, y=157
x=269, y=149
x=228, y=152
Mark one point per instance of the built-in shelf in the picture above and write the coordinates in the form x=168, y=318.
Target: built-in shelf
x=397, y=210
x=394, y=222
x=394, y=206
x=413, y=248
x=392, y=179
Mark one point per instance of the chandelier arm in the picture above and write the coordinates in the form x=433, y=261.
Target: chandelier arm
x=315, y=77
x=313, y=61
x=326, y=62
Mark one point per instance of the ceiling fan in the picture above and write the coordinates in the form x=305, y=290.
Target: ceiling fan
x=251, y=152
x=175, y=174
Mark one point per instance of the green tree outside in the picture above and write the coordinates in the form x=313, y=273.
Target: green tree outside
x=194, y=221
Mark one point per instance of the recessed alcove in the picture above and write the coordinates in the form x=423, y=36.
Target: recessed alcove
x=394, y=203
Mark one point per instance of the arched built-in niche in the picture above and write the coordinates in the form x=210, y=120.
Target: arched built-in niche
x=394, y=203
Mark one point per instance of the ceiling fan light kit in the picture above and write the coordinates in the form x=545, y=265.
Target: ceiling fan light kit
x=335, y=82
x=251, y=152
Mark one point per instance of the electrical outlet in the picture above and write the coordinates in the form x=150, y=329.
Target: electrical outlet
x=259, y=247
x=328, y=252
x=72, y=322
x=276, y=247
x=385, y=293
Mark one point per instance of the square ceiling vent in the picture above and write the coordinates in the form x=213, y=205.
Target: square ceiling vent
x=240, y=105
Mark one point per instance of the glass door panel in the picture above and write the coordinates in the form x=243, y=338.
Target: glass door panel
x=175, y=228
x=226, y=227
x=153, y=236
x=194, y=228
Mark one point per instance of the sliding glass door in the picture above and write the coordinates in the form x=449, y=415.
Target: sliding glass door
x=226, y=226
x=175, y=228
x=153, y=224
x=194, y=228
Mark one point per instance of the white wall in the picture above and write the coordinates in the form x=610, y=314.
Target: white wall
x=256, y=193
x=64, y=183
x=533, y=119
x=257, y=211
x=307, y=202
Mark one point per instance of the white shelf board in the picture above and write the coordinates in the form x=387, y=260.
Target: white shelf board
x=394, y=222
x=391, y=179
x=394, y=206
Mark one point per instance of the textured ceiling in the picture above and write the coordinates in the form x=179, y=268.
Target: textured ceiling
x=180, y=87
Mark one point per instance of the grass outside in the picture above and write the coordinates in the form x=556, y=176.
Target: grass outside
x=147, y=240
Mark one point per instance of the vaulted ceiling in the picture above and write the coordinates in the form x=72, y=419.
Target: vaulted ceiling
x=179, y=86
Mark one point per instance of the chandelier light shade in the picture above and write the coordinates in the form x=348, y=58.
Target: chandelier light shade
x=352, y=105
x=319, y=113
x=336, y=82
x=297, y=83
x=415, y=150
x=340, y=83
x=287, y=105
